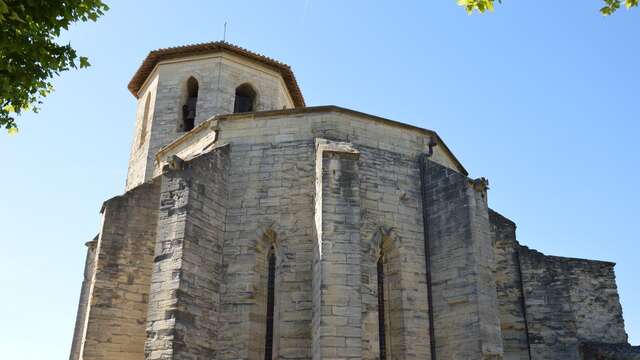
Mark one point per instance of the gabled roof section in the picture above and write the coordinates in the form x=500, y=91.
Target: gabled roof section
x=177, y=52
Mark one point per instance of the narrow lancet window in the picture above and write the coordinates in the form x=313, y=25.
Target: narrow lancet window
x=271, y=279
x=145, y=121
x=189, y=108
x=245, y=99
x=381, y=320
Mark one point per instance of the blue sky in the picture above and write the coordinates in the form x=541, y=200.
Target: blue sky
x=541, y=97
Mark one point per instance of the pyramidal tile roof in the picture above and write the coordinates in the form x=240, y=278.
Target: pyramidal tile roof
x=176, y=52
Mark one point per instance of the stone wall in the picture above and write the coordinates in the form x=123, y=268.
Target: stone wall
x=119, y=289
x=184, y=303
x=388, y=204
x=337, y=302
x=550, y=306
x=569, y=301
x=513, y=324
x=83, y=303
x=465, y=307
x=271, y=187
x=141, y=157
x=391, y=223
x=326, y=122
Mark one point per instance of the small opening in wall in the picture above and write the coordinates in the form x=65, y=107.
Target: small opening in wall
x=189, y=108
x=381, y=315
x=245, y=99
x=145, y=121
x=271, y=279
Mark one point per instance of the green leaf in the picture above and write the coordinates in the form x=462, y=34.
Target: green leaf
x=480, y=5
x=3, y=7
x=14, y=16
x=12, y=131
x=489, y=5
x=84, y=62
x=9, y=108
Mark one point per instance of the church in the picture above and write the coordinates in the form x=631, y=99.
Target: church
x=253, y=226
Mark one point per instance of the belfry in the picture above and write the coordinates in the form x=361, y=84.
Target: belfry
x=255, y=227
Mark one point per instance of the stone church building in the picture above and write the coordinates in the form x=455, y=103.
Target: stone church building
x=256, y=227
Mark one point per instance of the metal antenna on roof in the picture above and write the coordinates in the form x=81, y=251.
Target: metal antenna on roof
x=224, y=35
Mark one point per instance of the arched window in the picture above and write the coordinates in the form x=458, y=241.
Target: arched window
x=145, y=121
x=381, y=310
x=271, y=280
x=245, y=99
x=189, y=108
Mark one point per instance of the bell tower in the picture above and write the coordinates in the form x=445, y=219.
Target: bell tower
x=179, y=88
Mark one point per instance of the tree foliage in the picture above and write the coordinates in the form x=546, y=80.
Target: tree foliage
x=612, y=5
x=29, y=54
x=479, y=5
x=487, y=5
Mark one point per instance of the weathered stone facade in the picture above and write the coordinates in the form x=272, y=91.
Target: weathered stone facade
x=347, y=204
